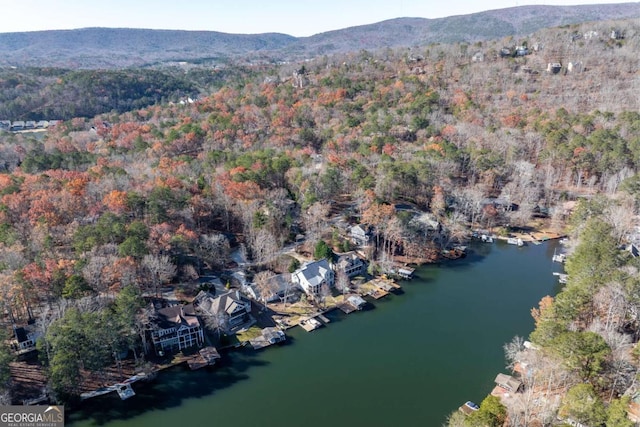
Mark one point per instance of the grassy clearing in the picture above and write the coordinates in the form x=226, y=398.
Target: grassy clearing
x=251, y=333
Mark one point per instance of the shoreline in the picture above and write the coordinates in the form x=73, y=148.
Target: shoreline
x=156, y=367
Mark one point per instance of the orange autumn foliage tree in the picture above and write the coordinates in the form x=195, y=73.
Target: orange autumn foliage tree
x=544, y=307
x=115, y=201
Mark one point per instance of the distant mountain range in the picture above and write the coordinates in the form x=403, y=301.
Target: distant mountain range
x=120, y=47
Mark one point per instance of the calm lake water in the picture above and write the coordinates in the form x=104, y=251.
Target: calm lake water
x=411, y=360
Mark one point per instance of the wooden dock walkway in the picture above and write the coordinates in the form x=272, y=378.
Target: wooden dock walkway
x=385, y=284
x=269, y=336
x=379, y=287
x=378, y=293
x=346, y=308
x=206, y=357
x=323, y=318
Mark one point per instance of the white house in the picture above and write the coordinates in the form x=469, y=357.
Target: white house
x=360, y=234
x=478, y=57
x=312, y=275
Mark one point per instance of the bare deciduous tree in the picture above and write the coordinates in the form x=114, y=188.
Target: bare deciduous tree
x=265, y=285
x=325, y=292
x=513, y=350
x=214, y=249
x=315, y=220
x=621, y=217
x=264, y=246
x=343, y=283
x=159, y=269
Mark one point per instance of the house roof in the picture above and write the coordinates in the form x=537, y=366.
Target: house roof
x=280, y=282
x=508, y=382
x=176, y=315
x=349, y=259
x=314, y=272
x=357, y=301
x=21, y=334
x=360, y=229
x=228, y=302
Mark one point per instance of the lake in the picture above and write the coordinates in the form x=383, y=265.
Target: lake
x=410, y=360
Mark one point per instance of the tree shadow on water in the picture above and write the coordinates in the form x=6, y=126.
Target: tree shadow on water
x=168, y=390
x=476, y=253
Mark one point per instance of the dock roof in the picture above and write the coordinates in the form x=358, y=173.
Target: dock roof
x=508, y=382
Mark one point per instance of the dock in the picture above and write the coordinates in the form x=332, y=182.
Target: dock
x=353, y=303
x=310, y=324
x=346, y=308
x=378, y=293
x=486, y=238
x=515, y=241
x=468, y=408
x=125, y=391
x=559, y=257
x=562, y=278
x=379, y=287
x=205, y=357
x=384, y=283
x=402, y=271
x=268, y=337
x=323, y=319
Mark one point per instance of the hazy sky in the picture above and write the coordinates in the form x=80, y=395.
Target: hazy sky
x=294, y=17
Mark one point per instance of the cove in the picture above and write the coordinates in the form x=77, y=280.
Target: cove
x=411, y=360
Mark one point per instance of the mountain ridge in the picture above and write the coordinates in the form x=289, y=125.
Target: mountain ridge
x=104, y=47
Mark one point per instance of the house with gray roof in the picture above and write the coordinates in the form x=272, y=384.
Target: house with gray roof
x=351, y=264
x=279, y=288
x=176, y=328
x=312, y=276
x=17, y=125
x=231, y=307
x=360, y=234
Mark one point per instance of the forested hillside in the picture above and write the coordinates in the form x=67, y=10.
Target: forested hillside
x=160, y=195
x=62, y=94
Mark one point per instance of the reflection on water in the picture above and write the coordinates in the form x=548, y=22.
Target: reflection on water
x=411, y=360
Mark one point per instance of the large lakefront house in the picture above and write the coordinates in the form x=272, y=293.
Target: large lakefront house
x=312, y=276
x=229, y=311
x=350, y=264
x=176, y=328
